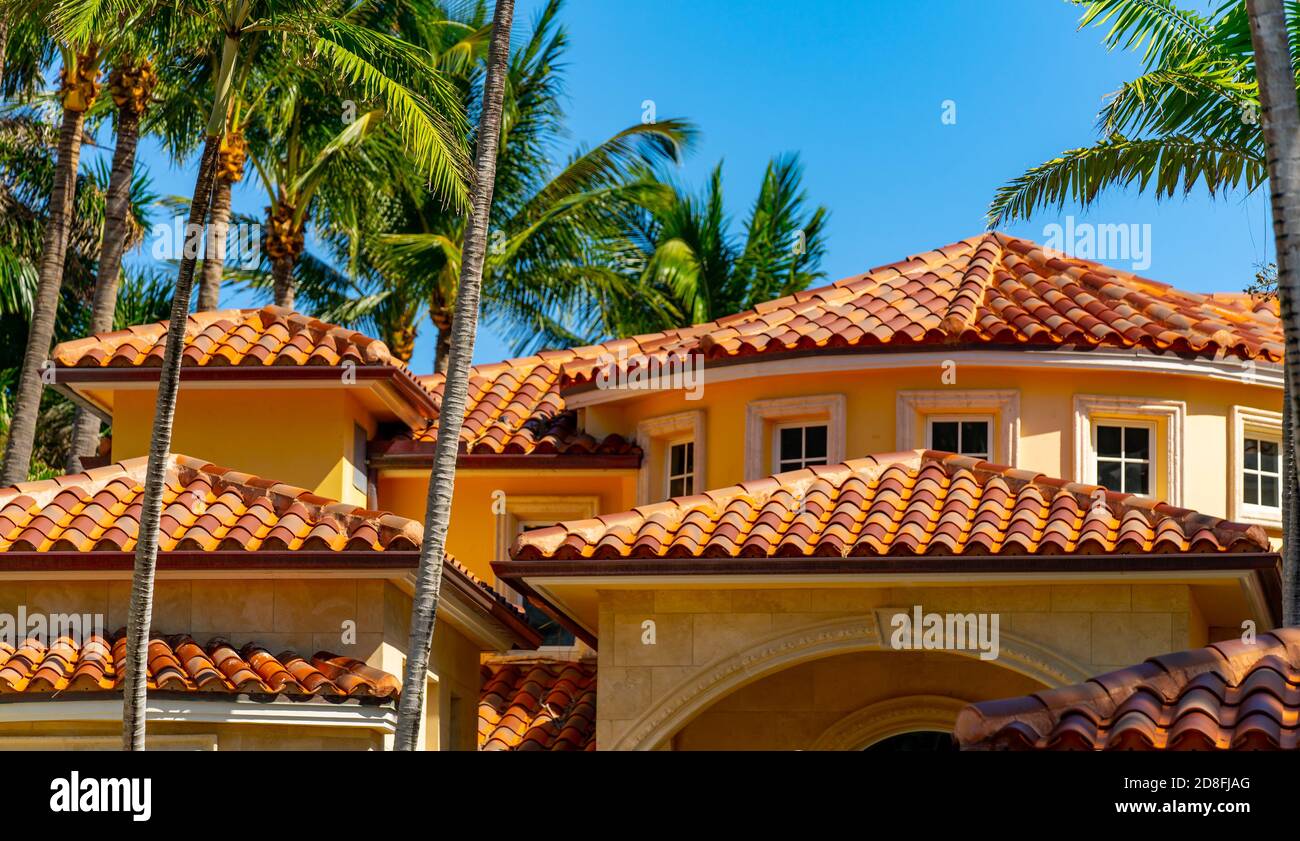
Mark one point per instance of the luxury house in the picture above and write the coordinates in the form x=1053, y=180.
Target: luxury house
x=713, y=537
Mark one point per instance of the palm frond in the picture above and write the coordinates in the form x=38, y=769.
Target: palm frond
x=1171, y=165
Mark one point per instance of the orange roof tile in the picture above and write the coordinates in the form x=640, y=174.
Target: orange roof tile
x=179, y=664
x=911, y=503
x=538, y=705
x=990, y=290
x=205, y=508
x=1228, y=696
x=222, y=338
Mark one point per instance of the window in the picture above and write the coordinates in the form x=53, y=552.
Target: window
x=1261, y=473
x=1124, y=457
x=681, y=469
x=799, y=446
x=1255, y=466
x=968, y=437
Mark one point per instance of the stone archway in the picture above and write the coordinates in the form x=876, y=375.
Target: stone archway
x=708, y=684
x=862, y=728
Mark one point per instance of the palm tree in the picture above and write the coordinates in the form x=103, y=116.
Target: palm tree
x=131, y=86
x=383, y=69
x=437, y=516
x=1191, y=119
x=678, y=249
x=1277, y=84
x=403, y=250
x=79, y=88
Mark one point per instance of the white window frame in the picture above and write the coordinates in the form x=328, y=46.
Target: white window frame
x=656, y=434
x=1153, y=435
x=990, y=420
x=521, y=510
x=797, y=424
x=668, y=466
x=1248, y=422
x=1169, y=418
x=915, y=408
x=762, y=415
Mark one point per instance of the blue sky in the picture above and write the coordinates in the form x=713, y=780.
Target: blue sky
x=858, y=90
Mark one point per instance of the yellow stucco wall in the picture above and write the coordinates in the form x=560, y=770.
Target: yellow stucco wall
x=299, y=436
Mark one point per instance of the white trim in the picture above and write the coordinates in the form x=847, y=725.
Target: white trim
x=1152, y=429
x=1171, y=414
x=1243, y=420
x=685, y=441
x=664, y=428
x=913, y=407
x=54, y=741
x=278, y=712
x=1250, y=372
x=812, y=407
x=803, y=424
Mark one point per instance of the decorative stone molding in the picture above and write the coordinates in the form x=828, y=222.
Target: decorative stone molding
x=843, y=635
x=1004, y=405
x=874, y=723
x=664, y=429
x=1243, y=420
x=1168, y=415
x=814, y=407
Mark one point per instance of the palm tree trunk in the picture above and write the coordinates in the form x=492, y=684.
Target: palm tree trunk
x=85, y=426
x=140, y=613
x=1277, y=95
x=428, y=577
x=27, y=403
x=1290, y=521
x=282, y=281
x=442, y=350
x=4, y=45
x=214, y=256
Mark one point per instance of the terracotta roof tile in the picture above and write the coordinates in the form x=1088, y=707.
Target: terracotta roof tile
x=179, y=664
x=205, y=508
x=913, y=503
x=1228, y=696
x=538, y=705
x=250, y=337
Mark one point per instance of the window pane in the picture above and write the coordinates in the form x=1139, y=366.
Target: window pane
x=1268, y=491
x=677, y=487
x=690, y=458
x=677, y=462
x=789, y=465
x=1136, y=442
x=1109, y=441
x=1268, y=456
x=1109, y=475
x=975, y=438
x=943, y=436
x=791, y=443
x=1135, y=479
x=1252, y=454
x=1250, y=488
x=814, y=446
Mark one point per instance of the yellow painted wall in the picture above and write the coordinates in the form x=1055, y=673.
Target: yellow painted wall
x=301, y=437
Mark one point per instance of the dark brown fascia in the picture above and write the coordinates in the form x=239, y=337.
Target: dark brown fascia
x=1266, y=564
x=489, y=605
x=512, y=461
x=421, y=400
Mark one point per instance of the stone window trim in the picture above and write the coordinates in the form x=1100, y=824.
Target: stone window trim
x=762, y=414
x=914, y=407
x=522, y=509
x=652, y=477
x=1169, y=417
x=1248, y=422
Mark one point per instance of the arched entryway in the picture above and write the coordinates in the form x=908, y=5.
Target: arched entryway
x=722, y=704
